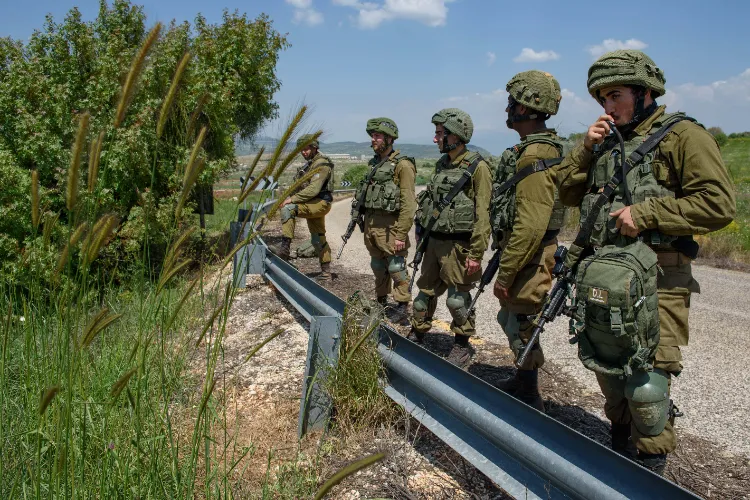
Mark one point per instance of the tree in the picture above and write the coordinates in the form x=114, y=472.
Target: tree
x=67, y=69
x=719, y=135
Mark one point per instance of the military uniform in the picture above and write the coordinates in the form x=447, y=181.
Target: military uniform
x=529, y=243
x=678, y=190
x=462, y=231
x=312, y=202
x=390, y=204
x=526, y=218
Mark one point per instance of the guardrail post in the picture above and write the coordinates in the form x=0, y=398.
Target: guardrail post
x=322, y=355
x=257, y=254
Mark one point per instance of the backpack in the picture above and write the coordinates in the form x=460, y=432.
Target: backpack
x=306, y=250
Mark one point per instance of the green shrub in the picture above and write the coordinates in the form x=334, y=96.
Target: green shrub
x=356, y=174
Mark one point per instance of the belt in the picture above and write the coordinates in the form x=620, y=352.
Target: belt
x=672, y=259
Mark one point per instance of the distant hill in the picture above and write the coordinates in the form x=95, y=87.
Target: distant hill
x=353, y=148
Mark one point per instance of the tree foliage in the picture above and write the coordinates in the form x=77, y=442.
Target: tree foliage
x=72, y=67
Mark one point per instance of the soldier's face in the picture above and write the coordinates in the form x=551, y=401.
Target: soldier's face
x=379, y=142
x=309, y=152
x=442, y=139
x=619, y=103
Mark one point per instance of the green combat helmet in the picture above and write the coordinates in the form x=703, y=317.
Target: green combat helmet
x=626, y=67
x=307, y=139
x=383, y=125
x=537, y=90
x=457, y=121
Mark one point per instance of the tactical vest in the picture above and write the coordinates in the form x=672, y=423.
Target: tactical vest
x=651, y=178
x=458, y=217
x=326, y=191
x=382, y=193
x=503, y=204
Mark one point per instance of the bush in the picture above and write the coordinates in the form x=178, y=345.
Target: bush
x=356, y=174
x=719, y=135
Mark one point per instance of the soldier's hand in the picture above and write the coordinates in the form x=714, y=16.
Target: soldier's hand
x=501, y=292
x=472, y=266
x=286, y=202
x=398, y=245
x=625, y=222
x=597, y=132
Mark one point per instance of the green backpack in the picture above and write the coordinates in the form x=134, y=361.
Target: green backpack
x=306, y=250
x=616, y=319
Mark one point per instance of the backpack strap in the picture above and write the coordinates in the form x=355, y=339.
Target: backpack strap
x=609, y=189
x=537, y=166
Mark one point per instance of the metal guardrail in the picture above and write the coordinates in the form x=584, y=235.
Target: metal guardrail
x=525, y=452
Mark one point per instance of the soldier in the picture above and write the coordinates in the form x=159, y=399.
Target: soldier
x=678, y=189
x=453, y=256
x=526, y=220
x=312, y=201
x=390, y=204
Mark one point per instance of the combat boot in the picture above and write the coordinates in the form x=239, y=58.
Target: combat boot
x=416, y=336
x=283, y=249
x=325, y=272
x=400, y=314
x=462, y=352
x=621, y=442
x=528, y=390
x=510, y=385
x=383, y=300
x=655, y=462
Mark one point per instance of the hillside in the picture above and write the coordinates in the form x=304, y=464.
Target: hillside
x=354, y=148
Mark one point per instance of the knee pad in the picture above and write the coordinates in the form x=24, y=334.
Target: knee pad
x=397, y=269
x=288, y=211
x=421, y=305
x=648, y=399
x=458, y=305
x=377, y=265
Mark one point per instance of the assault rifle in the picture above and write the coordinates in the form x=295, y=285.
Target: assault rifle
x=487, y=276
x=358, y=210
x=555, y=304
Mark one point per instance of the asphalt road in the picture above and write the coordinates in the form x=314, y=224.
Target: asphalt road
x=714, y=388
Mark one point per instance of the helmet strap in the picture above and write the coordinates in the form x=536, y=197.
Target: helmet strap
x=447, y=147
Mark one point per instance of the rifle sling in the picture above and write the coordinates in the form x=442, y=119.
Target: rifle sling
x=609, y=189
x=537, y=166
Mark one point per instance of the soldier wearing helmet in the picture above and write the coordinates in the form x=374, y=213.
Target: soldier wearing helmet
x=526, y=220
x=458, y=240
x=312, y=202
x=679, y=189
x=390, y=204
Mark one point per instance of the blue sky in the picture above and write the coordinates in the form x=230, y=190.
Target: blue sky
x=351, y=60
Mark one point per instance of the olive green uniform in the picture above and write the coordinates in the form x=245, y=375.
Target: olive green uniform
x=312, y=202
x=390, y=204
x=529, y=248
x=444, y=262
x=698, y=198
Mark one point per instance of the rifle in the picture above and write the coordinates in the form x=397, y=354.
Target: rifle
x=487, y=276
x=555, y=304
x=358, y=211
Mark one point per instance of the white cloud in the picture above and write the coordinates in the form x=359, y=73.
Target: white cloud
x=304, y=13
x=371, y=14
x=491, y=58
x=611, y=44
x=530, y=55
